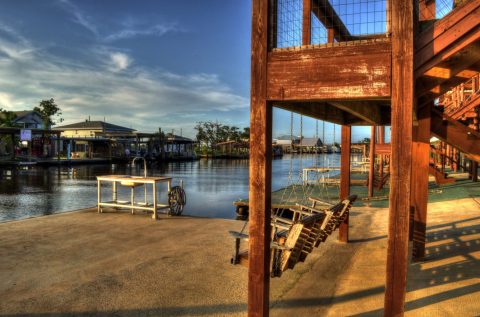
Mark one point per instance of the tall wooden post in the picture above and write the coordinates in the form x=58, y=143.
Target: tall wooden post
x=260, y=167
x=345, y=177
x=371, y=173
x=381, y=140
x=402, y=15
x=307, y=22
x=419, y=194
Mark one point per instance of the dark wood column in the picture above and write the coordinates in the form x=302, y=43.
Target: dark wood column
x=260, y=167
x=307, y=22
x=345, y=177
x=371, y=173
x=419, y=195
x=381, y=140
x=402, y=15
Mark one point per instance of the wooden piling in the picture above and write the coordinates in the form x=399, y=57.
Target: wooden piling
x=345, y=177
x=402, y=17
x=371, y=173
x=260, y=167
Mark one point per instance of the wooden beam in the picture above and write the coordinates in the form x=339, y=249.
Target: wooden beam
x=345, y=176
x=402, y=15
x=447, y=37
x=307, y=22
x=316, y=110
x=455, y=133
x=327, y=15
x=419, y=194
x=367, y=111
x=371, y=173
x=427, y=10
x=260, y=167
x=340, y=72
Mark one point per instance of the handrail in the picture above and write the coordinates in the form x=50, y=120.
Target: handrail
x=459, y=96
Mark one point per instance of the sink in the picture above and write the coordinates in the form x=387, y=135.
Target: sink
x=130, y=183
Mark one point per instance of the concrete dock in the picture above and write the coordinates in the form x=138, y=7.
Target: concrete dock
x=115, y=264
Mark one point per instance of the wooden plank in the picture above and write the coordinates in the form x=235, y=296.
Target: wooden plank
x=456, y=134
x=420, y=171
x=366, y=111
x=348, y=72
x=345, y=177
x=402, y=17
x=427, y=9
x=383, y=149
x=317, y=110
x=371, y=172
x=446, y=39
x=260, y=167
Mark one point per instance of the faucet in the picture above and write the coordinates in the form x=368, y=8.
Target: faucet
x=144, y=164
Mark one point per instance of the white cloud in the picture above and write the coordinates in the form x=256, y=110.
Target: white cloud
x=139, y=97
x=130, y=31
x=120, y=61
x=79, y=16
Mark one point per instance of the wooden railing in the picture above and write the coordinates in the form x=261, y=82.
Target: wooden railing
x=460, y=96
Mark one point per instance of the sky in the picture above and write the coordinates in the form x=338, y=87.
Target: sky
x=145, y=65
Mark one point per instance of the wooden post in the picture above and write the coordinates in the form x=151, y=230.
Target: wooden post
x=419, y=194
x=260, y=167
x=345, y=177
x=381, y=140
x=330, y=35
x=371, y=174
x=402, y=15
x=307, y=22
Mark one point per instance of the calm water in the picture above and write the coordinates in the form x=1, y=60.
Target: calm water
x=211, y=185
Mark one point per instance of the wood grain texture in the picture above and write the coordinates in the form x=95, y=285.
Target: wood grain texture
x=371, y=171
x=260, y=167
x=345, y=177
x=420, y=171
x=343, y=72
x=402, y=19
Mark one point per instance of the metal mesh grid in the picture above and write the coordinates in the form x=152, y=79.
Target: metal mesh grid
x=289, y=23
x=319, y=33
x=440, y=8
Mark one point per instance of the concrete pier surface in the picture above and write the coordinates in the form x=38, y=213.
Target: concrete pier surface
x=116, y=264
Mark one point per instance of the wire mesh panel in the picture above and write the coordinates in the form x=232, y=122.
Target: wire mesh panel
x=444, y=7
x=348, y=18
x=289, y=23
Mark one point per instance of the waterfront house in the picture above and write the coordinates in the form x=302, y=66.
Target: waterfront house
x=178, y=147
x=96, y=139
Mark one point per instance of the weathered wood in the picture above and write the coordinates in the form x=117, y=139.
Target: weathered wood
x=420, y=168
x=402, y=15
x=367, y=111
x=307, y=22
x=453, y=132
x=346, y=72
x=345, y=176
x=447, y=37
x=260, y=167
x=427, y=9
x=317, y=110
x=371, y=172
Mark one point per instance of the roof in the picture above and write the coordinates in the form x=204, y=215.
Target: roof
x=24, y=113
x=178, y=138
x=288, y=137
x=95, y=125
x=311, y=142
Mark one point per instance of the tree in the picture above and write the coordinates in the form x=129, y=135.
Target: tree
x=366, y=140
x=47, y=109
x=7, y=118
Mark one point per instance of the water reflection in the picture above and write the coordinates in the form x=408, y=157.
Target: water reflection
x=211, y=185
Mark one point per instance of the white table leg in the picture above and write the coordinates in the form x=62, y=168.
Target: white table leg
x=154, y=201
x=99, y=196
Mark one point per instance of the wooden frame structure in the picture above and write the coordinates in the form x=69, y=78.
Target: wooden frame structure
x=351, y=80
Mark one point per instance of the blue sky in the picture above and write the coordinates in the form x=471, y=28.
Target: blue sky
x=162, y=64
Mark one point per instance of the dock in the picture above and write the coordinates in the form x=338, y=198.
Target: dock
x=114, y=264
